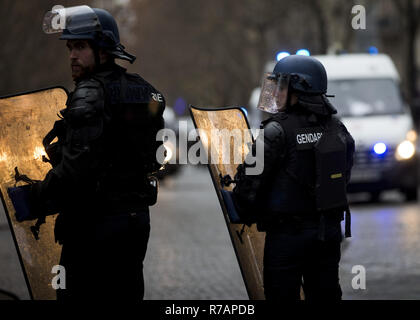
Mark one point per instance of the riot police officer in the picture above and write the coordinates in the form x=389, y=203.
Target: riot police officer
x=103, y=162
x=300, y=197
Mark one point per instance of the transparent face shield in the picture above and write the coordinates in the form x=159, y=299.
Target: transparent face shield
x=274, y=92
x=79, y=19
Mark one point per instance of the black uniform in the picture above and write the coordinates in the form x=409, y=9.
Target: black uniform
x=283, y=200
x=99, y=183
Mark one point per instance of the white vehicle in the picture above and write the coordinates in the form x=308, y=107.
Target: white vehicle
x=369, y=102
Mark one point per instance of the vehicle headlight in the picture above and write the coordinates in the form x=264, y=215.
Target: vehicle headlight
x=405, y=150
x=169, y=151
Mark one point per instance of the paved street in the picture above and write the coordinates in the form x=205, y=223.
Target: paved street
x=190, y=254
x=386, y=241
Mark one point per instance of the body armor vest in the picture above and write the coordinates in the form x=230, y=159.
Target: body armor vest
x=310, y=176
x=135, y=110
x=295, y=172
x=123, y=136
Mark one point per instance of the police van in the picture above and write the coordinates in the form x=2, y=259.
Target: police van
x=370, y=104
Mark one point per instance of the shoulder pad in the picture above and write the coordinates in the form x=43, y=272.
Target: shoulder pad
x=88, y=90
x=86, y=100
x=344, y=133
x=273, y=131
x=87, y=83
x=278, y=117
x=337, y=122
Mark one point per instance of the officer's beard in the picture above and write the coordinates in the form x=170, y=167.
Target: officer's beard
x=79, y=71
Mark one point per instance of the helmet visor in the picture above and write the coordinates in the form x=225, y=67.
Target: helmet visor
x=79, y=19
x=274, y=91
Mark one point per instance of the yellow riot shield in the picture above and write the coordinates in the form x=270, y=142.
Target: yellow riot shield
x=247, y=241
x=24, y=121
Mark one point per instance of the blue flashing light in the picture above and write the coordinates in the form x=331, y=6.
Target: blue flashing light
x=282, y=55
x=373, y=50
x=379, y=148
x=303, y=52
x=180, y=106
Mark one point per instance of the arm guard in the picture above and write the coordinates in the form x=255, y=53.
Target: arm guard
x=81, y=152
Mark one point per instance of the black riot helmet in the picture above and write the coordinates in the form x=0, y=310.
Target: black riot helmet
x=307, y=74
x=85, y=23
x=303, y=75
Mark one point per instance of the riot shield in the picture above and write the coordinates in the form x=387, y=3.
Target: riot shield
x=24, y=121
x=247, y=241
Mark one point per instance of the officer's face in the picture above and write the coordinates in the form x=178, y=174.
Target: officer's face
x=82, y=58
x=281, y=98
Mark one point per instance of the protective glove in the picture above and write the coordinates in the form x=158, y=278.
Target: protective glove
x=28, y=202
x=23, y=201
x=235, y=214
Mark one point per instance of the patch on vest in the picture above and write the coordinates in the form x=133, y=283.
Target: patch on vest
x=307, y=137
x=133, y=93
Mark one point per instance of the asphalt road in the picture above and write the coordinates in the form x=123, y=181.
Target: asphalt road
x=190, y=255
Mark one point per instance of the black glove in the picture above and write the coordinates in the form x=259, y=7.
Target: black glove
x=28, y=203
x=22, y=199
x=235, y=214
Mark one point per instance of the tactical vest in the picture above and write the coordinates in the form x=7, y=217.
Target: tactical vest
x=135, y=111
x=299, y=186
x=131, y=117
x=135, y=108
x=295, y=172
